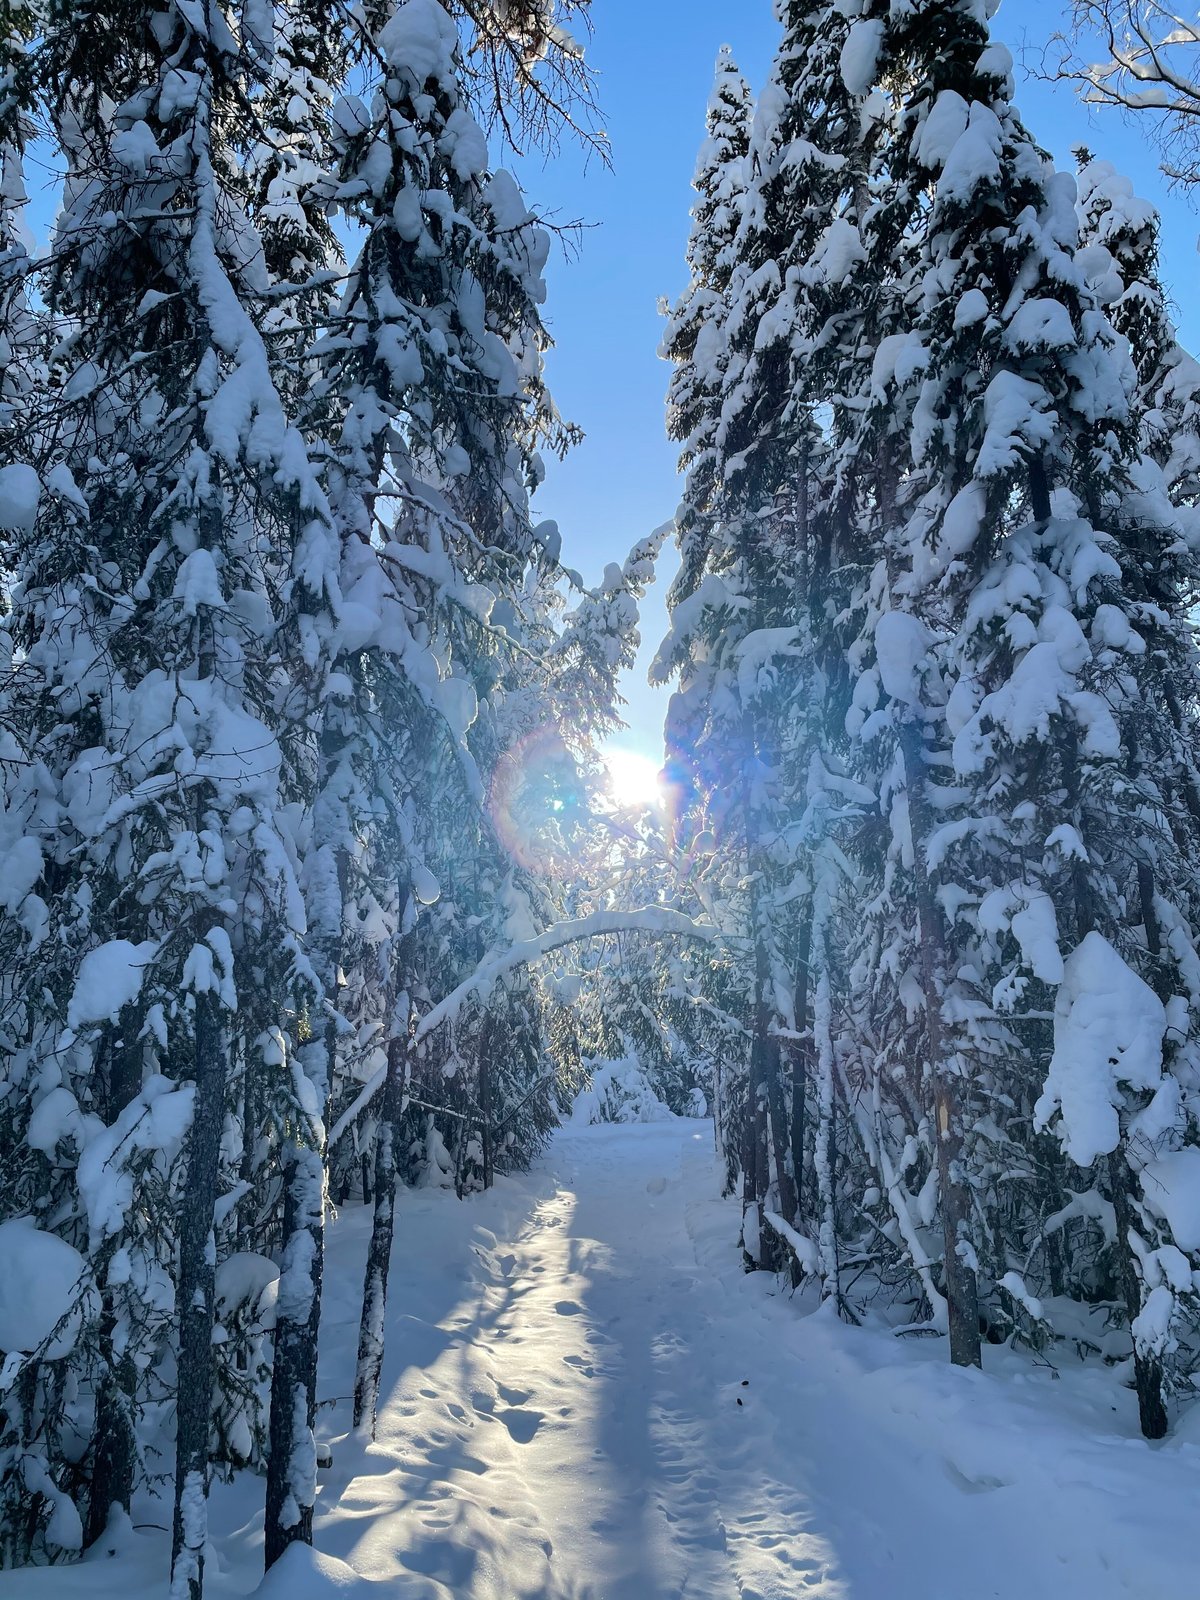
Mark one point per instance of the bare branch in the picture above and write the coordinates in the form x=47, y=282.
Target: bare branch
x=1141, y=57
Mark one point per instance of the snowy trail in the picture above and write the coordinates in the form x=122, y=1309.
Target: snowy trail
x=571, y=1429
x=561, y=1420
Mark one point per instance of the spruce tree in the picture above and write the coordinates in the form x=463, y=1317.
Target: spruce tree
x=1125, y=277
x=1010, y=529
x=184, y=529
x=446, y=283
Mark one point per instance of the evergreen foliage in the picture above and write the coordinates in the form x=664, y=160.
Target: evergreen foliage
x=313, y=889
x=940, y=491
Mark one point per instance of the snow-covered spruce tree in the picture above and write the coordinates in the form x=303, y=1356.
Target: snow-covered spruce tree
x=1012, y=539
x=709, y=593
x=38, y=1516
x=949, y=71
x=18, y=325
x=1124, y=276
x=437, y=353
x=847, y=320
x=306, y=62
x=335, y=779
x=709, y=737
x=427, y=493
x=794, y=330
x=767, y=496
x=181, y=528
x=694, y=339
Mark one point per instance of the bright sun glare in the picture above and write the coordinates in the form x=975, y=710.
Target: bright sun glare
x=632, y=778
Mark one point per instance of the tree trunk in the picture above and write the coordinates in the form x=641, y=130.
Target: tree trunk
x=251, y=1118
x=802, y=1064
x=114, y=1462
x=1147, y=1366
x=292, y=1461
x=751, y=1208
x=114, y=1458
x=486, y=1045
x=379, y=1252
x=780, y=1129
x=825, y=1147
x=196, y=1275
x=757, y=1173
x=369, y=1366
x=962, y=1294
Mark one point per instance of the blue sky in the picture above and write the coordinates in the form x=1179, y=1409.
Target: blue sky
x=655, y=59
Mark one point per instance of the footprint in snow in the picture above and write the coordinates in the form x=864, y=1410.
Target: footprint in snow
x=569, y=1308
x=656, y=1186
x=522, y=1424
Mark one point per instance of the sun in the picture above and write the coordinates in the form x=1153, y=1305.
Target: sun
x=633, y=779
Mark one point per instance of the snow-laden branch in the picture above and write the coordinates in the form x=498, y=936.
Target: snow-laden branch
x=649, y=919
x=808, y=1257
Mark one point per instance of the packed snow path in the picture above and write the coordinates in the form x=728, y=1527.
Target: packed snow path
x=586, y=1399
x=607, y=1408
x=604, y=1407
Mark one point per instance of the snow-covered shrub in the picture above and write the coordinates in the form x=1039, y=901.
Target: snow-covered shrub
x=619, y=1091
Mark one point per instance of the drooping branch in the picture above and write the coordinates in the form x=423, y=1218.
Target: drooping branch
x=649, y=919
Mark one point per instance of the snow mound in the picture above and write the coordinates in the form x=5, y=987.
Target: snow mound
x=155, y=1123
x=303, y=1573
x=901, y=643
x=43, y=1282
x=247, y=1282
x=619, y=1091
x=421, y=39
x=109, y=978
x=20, y=492
x=1171, y=1185
x=1108, y=1031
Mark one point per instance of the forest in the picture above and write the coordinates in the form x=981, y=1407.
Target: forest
x=327, y=937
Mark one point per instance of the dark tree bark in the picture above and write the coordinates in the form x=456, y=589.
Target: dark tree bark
x=387, y=1151
x=292, y=1462
x=379, y=1250
x=803, y=1054
x=780, y=1129
x=757, y=1164
x=1147, y=1367
x=196, y=1275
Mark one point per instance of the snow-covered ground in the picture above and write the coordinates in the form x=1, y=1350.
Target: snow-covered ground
x=586, y=1399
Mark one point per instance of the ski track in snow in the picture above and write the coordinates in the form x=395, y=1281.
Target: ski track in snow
x=561, y=1422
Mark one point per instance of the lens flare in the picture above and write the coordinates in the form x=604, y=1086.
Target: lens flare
x=534, y=798
x=633, y=779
